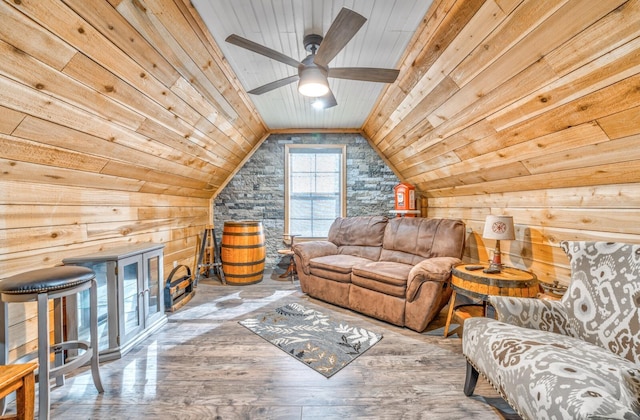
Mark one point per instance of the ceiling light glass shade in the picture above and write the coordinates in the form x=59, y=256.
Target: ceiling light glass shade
x=313, y=83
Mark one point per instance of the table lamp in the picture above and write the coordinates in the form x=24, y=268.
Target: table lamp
x=498, y=228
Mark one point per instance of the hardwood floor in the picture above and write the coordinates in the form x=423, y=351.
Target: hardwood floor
x=204, y=365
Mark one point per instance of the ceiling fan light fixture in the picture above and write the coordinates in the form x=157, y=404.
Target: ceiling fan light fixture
x=313, y=83
x=318, y=104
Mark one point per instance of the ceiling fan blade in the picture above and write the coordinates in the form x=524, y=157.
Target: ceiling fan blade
x=262, y=50
x=343, y=28
x=274, y=85
x=366, y=74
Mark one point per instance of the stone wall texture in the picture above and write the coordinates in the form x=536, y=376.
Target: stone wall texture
x=256, y=192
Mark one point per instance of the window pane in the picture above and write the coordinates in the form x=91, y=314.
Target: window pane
x=302, y=227
x=302, y=163
x=326, y=208
x=321, y=227
x=328, y=182
x=327, y=163
x=301, y=183
x=300, y=208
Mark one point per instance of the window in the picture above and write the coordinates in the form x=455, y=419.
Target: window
x=314, y=188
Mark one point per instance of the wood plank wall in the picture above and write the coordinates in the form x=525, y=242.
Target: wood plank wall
x=118, y=122
x=526, y=108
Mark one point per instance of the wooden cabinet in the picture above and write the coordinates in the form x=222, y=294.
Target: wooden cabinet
x=130, y=297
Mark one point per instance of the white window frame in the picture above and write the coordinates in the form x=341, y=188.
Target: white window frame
x=340, y=148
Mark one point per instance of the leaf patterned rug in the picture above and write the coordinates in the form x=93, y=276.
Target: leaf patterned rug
x=320, y=342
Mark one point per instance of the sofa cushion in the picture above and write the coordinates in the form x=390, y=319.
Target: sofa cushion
x=325, y=274
x=340, y=263
x=382, y=276
x=359, y=231
x=335, y=267
x=603, y=298
x=409, y=240
x=549, y=375
x=369, y=252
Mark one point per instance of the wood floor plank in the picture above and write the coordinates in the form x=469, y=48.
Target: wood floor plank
x=203, y=364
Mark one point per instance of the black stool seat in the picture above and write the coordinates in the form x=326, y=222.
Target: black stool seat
x=46, y=280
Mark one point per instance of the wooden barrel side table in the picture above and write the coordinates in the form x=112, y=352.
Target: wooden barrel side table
x=480, y=285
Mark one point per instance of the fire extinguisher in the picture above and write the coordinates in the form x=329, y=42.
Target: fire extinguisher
x=405, y=197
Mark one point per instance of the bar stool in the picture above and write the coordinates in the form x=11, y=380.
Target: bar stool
x=40, y=286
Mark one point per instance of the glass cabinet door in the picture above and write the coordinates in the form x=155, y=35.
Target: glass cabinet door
x=131, y=292
x=82, y=320
x=153, y=286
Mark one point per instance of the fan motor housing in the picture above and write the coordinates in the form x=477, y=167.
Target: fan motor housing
x=307, y=65
x=312, y=42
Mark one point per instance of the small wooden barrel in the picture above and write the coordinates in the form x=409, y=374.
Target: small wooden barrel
x=243, y=252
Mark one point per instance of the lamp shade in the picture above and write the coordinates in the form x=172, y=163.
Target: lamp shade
x=499, y=227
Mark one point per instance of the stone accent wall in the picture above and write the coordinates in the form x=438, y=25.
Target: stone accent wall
x=257, y=190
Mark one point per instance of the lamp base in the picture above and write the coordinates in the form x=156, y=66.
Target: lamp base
x=493, y=269
x=495, y=265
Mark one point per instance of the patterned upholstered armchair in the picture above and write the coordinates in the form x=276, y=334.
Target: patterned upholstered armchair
x=569, y=359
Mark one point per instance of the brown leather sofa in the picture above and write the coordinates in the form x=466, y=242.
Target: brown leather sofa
x=397, y=270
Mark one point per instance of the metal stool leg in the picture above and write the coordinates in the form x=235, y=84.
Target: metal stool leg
x=43, y=356
x=58, y=336
x=93, y=320
x=4, y=342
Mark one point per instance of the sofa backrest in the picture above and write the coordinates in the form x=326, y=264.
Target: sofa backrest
x=603, y=298
x=410, y=240
x=359, y=235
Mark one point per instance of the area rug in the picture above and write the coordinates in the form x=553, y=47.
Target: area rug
x=320, y=342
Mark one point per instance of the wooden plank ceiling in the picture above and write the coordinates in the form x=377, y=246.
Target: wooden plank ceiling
x=281, y=26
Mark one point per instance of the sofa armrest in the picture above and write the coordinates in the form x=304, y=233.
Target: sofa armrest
x=436, y=269
x=309, y=250
x=538, y=314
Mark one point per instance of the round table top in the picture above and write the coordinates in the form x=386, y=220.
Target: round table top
x=509, y=282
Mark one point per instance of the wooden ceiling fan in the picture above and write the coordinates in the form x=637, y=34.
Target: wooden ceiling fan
x=314, y=69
